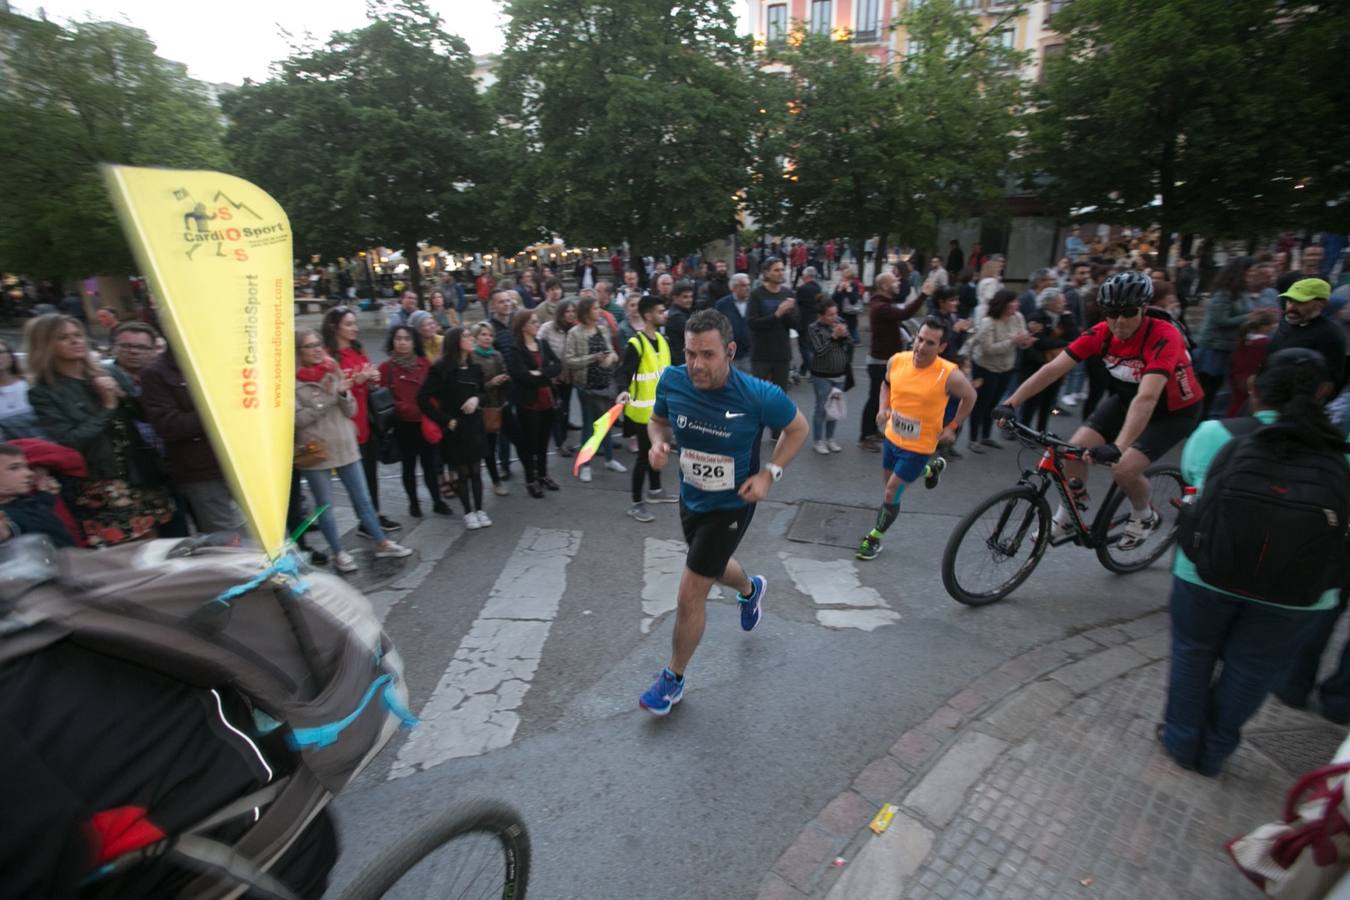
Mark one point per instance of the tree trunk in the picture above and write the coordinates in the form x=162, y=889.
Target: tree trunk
x=414, y=272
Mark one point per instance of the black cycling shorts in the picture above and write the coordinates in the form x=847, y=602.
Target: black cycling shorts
x=1163, y=432
x=713, y=537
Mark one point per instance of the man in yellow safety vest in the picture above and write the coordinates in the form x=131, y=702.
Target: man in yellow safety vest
x=645, y=357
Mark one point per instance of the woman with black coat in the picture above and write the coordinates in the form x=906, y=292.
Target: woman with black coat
x=1057, y=330
x=452, y=397
x=533, y=365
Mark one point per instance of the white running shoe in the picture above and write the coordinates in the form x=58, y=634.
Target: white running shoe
x=500, y=489
x=390, y=550
x=1136, y=531
x=471, y=521
x=822, y=448
x=483, y=519
x=344, y=562
x=586, y=473
x=834, y=447
x=615, y=466
x=1069, y=400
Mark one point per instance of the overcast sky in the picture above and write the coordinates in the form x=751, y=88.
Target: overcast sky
x=229, y=41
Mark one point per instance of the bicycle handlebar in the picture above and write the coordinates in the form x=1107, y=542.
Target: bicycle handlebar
x=1030, y=437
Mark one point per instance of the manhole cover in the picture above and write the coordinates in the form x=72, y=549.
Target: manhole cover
x=831, y=523
x=1301, y=749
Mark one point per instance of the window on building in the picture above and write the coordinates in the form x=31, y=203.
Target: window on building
x=1050, y=52
x=967, y=4
x=868, y=19
x=822, y=16
x=1057, y=6
x=775, y=23
x=1007, y=36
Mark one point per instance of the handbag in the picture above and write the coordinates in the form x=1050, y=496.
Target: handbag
x=380, y=408
x=492, y=419
x=836, y=405
x=1307, y=852
x=311, y=454
x=432, y=433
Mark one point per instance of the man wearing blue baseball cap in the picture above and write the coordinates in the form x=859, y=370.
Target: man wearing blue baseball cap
x=1305, y=326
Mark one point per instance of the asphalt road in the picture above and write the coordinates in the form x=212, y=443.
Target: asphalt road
x=528, y=644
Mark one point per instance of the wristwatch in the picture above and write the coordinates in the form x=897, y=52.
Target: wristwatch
x=775, y=470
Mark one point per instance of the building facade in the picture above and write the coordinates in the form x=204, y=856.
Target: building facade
x=873, y=26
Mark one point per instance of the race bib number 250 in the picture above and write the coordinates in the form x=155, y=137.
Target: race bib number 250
x=708, y=471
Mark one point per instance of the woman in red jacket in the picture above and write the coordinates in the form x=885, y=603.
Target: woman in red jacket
x=403, y=373
x=340, y=333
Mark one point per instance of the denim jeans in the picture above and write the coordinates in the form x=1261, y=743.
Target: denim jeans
x=592, y=407
x=822, y=429
x=1301, y=676
x=354, y=480
x=1255, y=642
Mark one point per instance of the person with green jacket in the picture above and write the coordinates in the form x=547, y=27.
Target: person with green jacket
x=90, y=409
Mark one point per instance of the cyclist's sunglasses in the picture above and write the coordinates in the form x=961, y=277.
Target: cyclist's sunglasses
x=1127, y=312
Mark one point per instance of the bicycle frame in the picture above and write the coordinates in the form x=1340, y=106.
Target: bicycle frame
x=1050, y=470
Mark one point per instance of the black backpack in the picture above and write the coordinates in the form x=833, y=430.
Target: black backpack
x=1270, y=523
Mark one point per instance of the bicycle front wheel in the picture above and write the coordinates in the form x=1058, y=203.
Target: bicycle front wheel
x=1167, y=488
x=480, y=850
x=996, y=546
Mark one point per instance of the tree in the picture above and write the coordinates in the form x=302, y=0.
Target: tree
x=635, y=115
x=878, y=150
x=1175, y=113
x=72, y=98
x=375, y=139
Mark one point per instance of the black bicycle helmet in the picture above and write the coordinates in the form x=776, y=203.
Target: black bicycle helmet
x=1125, y=289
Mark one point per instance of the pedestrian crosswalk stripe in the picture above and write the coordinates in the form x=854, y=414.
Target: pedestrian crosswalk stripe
x=474, y=707
x=842, y=601
x=662, y=566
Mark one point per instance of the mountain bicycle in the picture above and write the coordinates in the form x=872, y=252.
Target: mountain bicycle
x=999, y=543
x=479, y=850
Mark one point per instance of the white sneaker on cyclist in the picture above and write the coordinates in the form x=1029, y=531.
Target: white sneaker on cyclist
x=1136, y=531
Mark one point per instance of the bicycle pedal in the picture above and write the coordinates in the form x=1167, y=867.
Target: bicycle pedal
x=1066, y=539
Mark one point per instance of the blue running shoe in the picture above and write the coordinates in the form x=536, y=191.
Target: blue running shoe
x=660, y=697
x=750, y=606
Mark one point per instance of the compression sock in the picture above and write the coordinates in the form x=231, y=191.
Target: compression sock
x=886, y=517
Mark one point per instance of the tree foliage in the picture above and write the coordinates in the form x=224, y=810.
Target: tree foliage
x=375, y=138
x=873, y=149
x=1202, y=115
x=633, y=116
x=71, y=98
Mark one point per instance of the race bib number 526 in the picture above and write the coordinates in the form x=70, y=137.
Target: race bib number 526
x=708, y=471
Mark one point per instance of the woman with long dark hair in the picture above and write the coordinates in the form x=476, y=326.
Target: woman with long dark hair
x=533, y=367
x=404, y=373
x=340, y=332
x=1225, y=311
x=1254, y=639
x=554, y=332
x=496, y=383
x=452, y=396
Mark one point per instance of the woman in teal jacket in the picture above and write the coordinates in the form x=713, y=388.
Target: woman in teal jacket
x=1255, y=640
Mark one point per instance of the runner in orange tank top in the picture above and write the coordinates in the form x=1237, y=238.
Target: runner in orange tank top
x=912, y=406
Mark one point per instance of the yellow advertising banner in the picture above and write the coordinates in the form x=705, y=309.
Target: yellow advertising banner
x=217, y=251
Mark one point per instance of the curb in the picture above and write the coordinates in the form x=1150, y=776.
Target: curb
x=930, y=768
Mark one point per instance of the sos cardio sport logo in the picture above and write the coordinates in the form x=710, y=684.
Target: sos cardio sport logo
x=223, y=224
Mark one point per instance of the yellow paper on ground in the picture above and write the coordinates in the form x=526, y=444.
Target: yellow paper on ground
x=217, y=251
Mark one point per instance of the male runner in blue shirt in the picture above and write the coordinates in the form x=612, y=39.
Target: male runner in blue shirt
x=715, y=414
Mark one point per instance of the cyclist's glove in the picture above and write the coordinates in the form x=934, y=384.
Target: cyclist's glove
x=1004, y=413
x=1105, y=455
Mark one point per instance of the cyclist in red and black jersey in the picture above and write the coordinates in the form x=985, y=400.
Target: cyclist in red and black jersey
x=1154, y=402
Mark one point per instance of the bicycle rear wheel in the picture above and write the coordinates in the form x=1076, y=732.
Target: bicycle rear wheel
x=996, y=546
x=477, y=851
x=1167, y=486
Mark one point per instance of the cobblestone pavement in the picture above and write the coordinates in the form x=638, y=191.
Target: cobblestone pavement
x=1053, y=786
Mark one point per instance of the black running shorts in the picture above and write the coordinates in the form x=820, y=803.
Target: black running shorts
x=1163, y=432
x=713, y=537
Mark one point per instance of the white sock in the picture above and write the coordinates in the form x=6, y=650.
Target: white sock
x=1062, y=517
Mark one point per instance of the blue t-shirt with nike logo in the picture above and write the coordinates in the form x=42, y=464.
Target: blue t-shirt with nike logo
x=718, y=432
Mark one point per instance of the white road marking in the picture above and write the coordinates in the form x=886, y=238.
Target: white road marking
x=473, y=708
x=833, y=584
x=662, y=565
